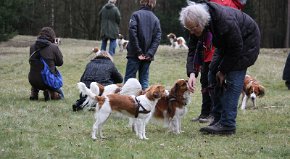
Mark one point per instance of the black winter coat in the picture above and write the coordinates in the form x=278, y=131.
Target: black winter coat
x=101, y=70
x=286, y=71
x=236, y=36
x=144, y=33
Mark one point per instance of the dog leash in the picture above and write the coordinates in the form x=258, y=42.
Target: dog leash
x=137, y=108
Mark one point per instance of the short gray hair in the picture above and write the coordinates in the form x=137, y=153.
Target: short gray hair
x=112, y=1
x=195, y=12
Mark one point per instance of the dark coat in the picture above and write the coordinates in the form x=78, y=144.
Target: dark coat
x=110, y=20
x=286, y=71
x=101, y=70
x=236, y=37
x=144, y=33
x=52, y=56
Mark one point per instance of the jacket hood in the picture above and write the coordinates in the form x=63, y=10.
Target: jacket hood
x=41, y=42
x=109, y=6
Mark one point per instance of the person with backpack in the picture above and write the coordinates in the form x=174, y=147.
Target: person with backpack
x=236, y=48
x=198, y=60
x=110, y=18
x=44, y=48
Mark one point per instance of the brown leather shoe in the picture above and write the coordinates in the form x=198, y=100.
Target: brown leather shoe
x=54, y=95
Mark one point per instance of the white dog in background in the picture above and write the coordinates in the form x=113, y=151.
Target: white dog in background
x=177, y=42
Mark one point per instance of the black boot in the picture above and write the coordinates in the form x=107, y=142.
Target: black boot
x=34, y=94
x=218, y=129
x=46, y=95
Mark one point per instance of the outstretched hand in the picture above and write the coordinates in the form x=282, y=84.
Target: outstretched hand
x=191, y=83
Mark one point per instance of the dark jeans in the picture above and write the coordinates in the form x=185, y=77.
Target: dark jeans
x=206, y=106
x=226, y=100
x=112, y=47
x=134, y=65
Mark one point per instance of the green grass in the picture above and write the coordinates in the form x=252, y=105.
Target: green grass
x=38, y=129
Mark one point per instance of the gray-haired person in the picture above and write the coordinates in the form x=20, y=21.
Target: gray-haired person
x=236, y=37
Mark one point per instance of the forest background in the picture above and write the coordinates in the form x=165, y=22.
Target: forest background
x=79, y=18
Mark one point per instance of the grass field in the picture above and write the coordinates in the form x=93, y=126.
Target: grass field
x=39, y=129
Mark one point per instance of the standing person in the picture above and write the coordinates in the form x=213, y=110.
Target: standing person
x=203, y=54
x=110, y=20
x=237, y=48
x=144, y=39
x=102, y=70
x=44, y=47
x=286, y=72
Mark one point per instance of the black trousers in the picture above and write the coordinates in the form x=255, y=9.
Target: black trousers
x=206, y=106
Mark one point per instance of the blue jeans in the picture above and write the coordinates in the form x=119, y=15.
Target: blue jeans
x=134, y=65
x=112, y=47
x=226, y=101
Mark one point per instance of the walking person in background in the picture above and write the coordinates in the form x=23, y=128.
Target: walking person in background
x=144, y=39
x=198, y=60
x=110, y=20
x=237, y=48
x=102, y=70
x=44, y=47
x=286, y=72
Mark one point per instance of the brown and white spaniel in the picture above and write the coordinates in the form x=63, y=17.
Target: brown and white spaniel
x=251, y=90
x=177, y=42
x=131, y=87
x=122, y=43
x=137, y=107
x=171, y=108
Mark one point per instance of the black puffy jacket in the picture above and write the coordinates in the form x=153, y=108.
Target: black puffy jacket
x=236, y=37
x=101, y=70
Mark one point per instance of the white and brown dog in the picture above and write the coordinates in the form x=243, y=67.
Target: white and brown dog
x=122, y=43
x=171, y=108
x=131, y=106
x=131, y=87
x=251, y=90
x=177, y=42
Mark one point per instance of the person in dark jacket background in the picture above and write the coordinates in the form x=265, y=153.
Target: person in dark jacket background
x=110, y=20
x=102, y=70
x=286, y=72
x=144, y=39
x=236, y=37
x=44, y=47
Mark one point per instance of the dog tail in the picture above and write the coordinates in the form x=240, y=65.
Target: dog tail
x=91, y=93
x=131, y=87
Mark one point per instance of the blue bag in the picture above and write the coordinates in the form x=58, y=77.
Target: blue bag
x=50, y=79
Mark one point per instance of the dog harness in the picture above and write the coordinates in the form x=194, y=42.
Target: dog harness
x=138, y=105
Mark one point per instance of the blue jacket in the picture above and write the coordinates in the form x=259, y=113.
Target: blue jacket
x=144, y=33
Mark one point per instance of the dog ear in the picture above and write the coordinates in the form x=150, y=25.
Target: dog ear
x=248, y=89
x=261, y=91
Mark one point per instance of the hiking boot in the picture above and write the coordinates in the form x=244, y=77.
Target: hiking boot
x=34, y=94
x=218, y=129
x=46, y=95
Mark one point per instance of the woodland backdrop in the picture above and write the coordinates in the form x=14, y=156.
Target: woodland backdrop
x=79, y=18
